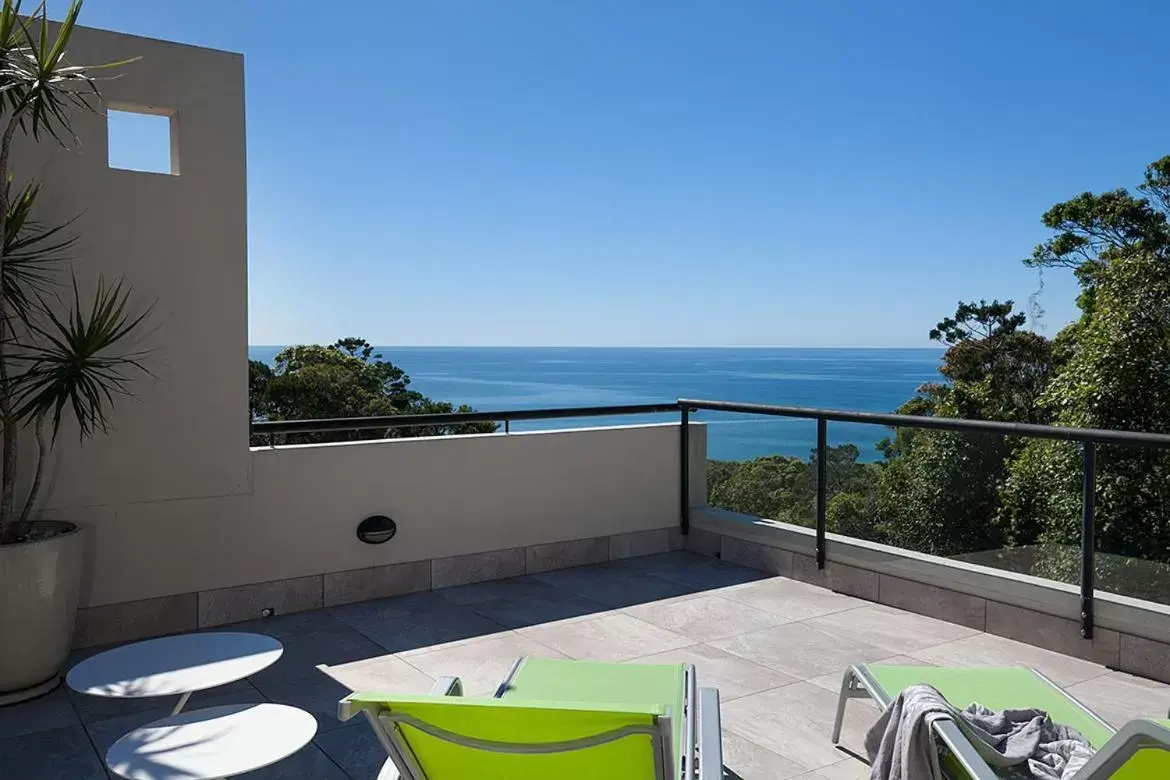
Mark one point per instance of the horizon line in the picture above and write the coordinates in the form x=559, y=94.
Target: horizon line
x=621, y=346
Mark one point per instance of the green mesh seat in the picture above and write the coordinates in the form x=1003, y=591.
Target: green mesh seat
x=568, y=720
x=1140, y=751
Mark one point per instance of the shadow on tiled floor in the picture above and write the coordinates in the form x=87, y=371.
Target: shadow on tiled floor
x=775, y=648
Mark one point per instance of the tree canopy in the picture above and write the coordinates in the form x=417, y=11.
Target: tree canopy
x=344, y=379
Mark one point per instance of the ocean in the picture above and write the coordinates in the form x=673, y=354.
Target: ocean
x=497, y=378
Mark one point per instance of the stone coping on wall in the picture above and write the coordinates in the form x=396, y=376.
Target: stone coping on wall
x=1130, y=635
x=145, y=618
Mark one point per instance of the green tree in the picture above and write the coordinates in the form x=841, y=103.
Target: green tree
x=1093, y=230
x=784, y=488
x=1118, y=377
x=344, y=379
x=854, y=515
x=775, y=486
x=940, y=495
x=997, y=370
x=1114, y=373
x=939, y=491
x=844, y=471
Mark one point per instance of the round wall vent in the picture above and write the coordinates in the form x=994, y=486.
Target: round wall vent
x=376, y=529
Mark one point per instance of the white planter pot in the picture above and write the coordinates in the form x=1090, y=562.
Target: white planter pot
x=39, y=584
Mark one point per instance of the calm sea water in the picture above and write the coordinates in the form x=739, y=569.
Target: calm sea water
x=496, y=378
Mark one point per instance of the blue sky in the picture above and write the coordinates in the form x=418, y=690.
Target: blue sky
x=674, y=172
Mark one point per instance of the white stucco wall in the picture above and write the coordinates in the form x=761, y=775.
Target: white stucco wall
x=174, y=500
x=181, y=241
x=449, y=496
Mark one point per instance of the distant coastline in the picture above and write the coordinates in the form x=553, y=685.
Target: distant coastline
x=874, y=379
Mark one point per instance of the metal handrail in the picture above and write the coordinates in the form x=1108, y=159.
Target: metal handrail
x=276, y=427
x=1088, y=438
x=1097, y=435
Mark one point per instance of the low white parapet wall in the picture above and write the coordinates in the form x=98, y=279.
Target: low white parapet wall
x=467, y=508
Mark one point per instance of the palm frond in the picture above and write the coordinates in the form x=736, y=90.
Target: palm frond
x=40, y=88
x=9, y=14
x=31, y=252
x=50, y=94
x=77, y=360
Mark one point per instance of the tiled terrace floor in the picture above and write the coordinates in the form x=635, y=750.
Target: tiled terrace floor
x=774, y=647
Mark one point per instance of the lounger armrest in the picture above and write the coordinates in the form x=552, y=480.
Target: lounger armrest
x=1121, y=747
x=444, y=686
x=447, y=686
x=710, y=736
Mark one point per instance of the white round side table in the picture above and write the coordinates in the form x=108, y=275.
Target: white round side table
x=212, y=743
x=174, y=665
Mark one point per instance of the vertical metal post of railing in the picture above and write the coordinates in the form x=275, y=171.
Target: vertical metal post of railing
x=684, y=470
x=507, y=425
x=1088, y=543
x=822, y=486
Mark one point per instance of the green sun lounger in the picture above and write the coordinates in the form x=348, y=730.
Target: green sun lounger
x=1140, y=751
x=558, y=719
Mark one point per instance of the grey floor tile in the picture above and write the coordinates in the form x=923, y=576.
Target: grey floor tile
x=385, y=673
x=317, y=693
x=537, y=608
x=415, y=622
x=745, y=760
x=107, y=731
x=715, y=668
x=424, y=632
x=849, y=769
x=706, y=617
x=796, y=721
x=791, y=599
x=79, y=654
x=800, y=650
x=1119, y=697
x=832, y=680
x=614, y=637
x=660, y=564
x=302, y=653
x=60, y=754
x=989, y=650
x=355, y=749
x=98, y=708
x=413, y=605
x=512, y=588
x=713, y=575
x=48, y=712
x=614, y=587
x=287, y=626
x=891, y=629
x=309, y=762
x=481, y=664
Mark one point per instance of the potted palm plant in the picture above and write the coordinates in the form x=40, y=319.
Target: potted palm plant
x=65, y=356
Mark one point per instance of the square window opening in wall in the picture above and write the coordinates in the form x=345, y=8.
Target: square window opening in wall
x=143, y=139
